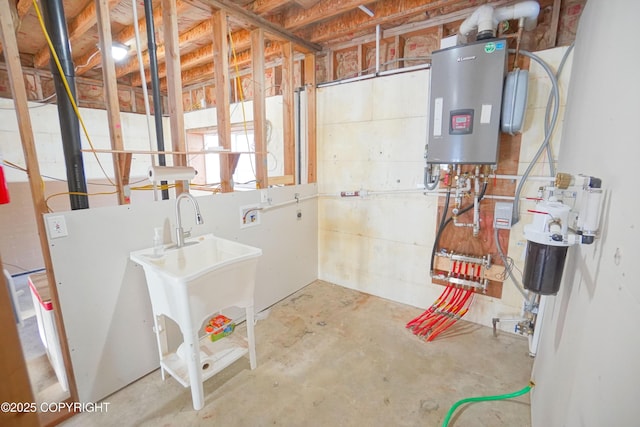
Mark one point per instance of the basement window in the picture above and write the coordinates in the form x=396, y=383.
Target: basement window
x=244, y=176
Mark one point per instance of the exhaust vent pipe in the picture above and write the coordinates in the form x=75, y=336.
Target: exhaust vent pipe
x=486, y=19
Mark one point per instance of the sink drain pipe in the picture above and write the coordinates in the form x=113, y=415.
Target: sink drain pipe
x=56, y=24
x=155, y=88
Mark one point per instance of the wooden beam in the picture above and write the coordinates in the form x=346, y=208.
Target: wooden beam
x=205, y=72
x=296, y=18
x=259, y=107
x=260, y=22
x=77, y=28
x=241, y=41
x=19, y=94
x=223, y=94
x=174, y=84
x=92, y=58
x=190, y=60
x=460, y=12
x=15, y=385
x=288, y=114
x=310, y=88
x=385, y=11
x=261, y=7
x=196, y=33
x=111, y=96
x=553, y=27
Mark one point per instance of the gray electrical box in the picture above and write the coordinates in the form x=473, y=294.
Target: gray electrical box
x=465, y=103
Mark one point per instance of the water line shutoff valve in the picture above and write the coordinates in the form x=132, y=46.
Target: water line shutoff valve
x=555, y=227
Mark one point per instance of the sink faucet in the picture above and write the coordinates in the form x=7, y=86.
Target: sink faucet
x=180, y=233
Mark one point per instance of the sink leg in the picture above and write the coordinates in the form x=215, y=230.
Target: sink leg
x=193, y=365
x=161, y=340
x=251, y=337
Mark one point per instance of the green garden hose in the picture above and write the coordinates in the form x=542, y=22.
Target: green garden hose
x=525, y=390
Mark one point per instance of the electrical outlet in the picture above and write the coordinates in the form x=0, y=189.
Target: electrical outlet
x=249, y=216
x=264, y=196
x=57, y=227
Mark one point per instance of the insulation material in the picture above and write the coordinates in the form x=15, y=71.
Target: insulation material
x=346, y=64
x=90, y=95
x=198, y=100
x=210, y=95
x=322, y=68
x=125, y=99
x=387, y=54
x=297, y=73
x=186, y=101
x=569, y=16
x=30, y=85
x=420, y=46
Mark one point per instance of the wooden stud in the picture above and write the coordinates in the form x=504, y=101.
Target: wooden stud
x=174, y=84
x=296, y=18
x=78, y=26
x=260, y=22
x=553, y=27
x=111, y=97
x=356, y=22
x=288, y=105
x=19, y=93
x=310, y=88
x=260, y=7
x=89, y=61
x=400, y=43
x=259, y=107
x=15, y=386
x=223, y=94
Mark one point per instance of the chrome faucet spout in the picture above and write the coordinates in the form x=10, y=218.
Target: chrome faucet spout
x=180, y=234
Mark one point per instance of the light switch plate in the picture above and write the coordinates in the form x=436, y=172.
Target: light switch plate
x=57, y=227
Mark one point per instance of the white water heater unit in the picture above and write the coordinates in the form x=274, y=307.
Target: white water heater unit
x=465, y=103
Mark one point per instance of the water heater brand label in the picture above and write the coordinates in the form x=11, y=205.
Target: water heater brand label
x=437, y=117
x=485, y=114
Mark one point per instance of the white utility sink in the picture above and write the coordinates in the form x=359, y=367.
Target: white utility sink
x=190, y=284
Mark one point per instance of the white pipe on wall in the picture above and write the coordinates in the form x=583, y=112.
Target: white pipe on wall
x=481, y=18
x=485, y=18
x=528, y=10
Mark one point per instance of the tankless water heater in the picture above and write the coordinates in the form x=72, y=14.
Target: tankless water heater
x=465, y=103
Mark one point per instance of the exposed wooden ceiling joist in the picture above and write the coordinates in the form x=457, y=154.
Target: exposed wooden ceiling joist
x=309, y=24
x=77, y=27
x=260, y=22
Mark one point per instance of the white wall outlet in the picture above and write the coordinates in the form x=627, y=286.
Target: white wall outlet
x=264, y=197
x=249, y=216
x=57, y=227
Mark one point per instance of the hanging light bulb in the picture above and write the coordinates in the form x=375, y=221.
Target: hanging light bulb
x=119, y=51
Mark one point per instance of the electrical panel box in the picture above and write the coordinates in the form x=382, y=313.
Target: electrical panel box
x=465, y=103
x=502, y=215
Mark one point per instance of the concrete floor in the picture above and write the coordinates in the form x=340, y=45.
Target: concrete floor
x=331, y=356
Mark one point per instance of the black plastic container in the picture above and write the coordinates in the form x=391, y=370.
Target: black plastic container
x=543, y=267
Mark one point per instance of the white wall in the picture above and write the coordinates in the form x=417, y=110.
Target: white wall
x=48, y=142
x=587, y=367
x=103, y=295
x=371, y=135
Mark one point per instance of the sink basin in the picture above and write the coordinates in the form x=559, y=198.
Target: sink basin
x=190, y=285
x=198, y=256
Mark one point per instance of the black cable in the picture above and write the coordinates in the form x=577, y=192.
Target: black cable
x=440, y=228
x=443, y=223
